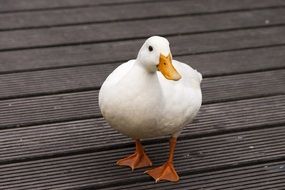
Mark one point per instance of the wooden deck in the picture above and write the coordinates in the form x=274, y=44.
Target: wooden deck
x=54, y=55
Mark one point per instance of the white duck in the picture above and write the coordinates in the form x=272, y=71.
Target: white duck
x=151, y=96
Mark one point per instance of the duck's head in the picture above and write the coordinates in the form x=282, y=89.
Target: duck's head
x=155, y=55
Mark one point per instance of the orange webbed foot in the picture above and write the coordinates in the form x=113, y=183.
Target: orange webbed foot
x=167, y=170
x=137, y=160
x=164, y=172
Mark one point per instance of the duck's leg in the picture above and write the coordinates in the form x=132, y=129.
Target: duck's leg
x=137, y=160
x=166, y=171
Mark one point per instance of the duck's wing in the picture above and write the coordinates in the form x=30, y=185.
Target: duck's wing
x=187, y=72
x=119, y=73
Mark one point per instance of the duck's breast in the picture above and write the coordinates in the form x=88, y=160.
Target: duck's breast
x=183, y=98
x=131, y=105
x=140, y=106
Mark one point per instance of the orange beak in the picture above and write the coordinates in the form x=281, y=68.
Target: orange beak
x=166, y=68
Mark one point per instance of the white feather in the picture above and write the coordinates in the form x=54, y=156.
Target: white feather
x=143, y=104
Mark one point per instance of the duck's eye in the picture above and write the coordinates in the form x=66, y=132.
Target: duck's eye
x=150, y=48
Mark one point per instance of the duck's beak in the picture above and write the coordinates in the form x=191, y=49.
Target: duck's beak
x=166, y=68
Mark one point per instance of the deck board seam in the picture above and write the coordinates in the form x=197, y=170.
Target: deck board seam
x=143, y=18
x=140, y=38
x=184, y=173
x=177, y=55
x=234, y=122
x=84, y=6
x=94, y=88
x=130, y=144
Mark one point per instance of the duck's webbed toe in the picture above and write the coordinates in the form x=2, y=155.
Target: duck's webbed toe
x=137, y=160
x=164, y=172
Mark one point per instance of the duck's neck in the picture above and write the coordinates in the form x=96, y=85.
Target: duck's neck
x=141, y=86
x=148, y=74
x=139, y=76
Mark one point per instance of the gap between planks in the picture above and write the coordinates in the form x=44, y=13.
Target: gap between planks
x=50, y=7
x=96, y=53
x=209, y=122
x=29, y=5
x=224, y=158
x=85, y=37
x=42, y=24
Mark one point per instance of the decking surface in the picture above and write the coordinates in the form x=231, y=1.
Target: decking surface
x=54, y=55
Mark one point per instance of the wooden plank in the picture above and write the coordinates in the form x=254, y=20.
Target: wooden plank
x=225, y=63
x=61, y=107
x=213, y=64
x=49, y=108
x=97, y=169
x=260, y=176
x=134, y=11
x=29, y=5
x=91, y=77
x=244, y=86
x=122, y=51
x=24, y=143
x=71, y=35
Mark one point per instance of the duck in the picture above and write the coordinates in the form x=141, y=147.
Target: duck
x=149, y=97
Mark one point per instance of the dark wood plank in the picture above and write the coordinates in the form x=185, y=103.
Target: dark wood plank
x=49, y=108
x=137, y=29
x=24, y=143
x=122, y=51
x=91, y=77
x=260, y=176
x=32, y=109
x=55, y=141
x=244, y=86
x=28, y=5
x=192, y=155
x=126, y=12
x=233, y=62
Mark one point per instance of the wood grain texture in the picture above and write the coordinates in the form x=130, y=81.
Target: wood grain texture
x=97, y=169
x=261, y=176
x=233, y=62
x=47, y=18
x=54, y=56
x=122, y=51
x=137, y=29
x=91, y=77
x=60, y=107
x=29, y=5
x=49, y=108
x=63, y=138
